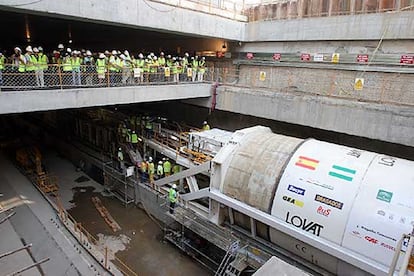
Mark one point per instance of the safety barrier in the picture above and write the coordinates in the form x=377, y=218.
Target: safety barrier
x=56, y=77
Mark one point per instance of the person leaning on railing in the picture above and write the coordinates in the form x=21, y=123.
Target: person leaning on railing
x=66, y=66
x=76, y=64
x=88, y=67
x=30, y=66
x=101, y=67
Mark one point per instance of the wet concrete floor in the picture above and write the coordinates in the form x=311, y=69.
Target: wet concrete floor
x=145, y=252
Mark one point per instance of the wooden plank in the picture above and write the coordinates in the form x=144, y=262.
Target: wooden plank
x=105, y=214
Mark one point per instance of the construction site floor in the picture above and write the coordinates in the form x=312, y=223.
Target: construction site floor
x=139, y=243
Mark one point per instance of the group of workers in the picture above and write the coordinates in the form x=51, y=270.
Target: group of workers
x=149, y=169
x=108, y=67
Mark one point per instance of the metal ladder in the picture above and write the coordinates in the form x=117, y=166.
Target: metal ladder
x=226, y=267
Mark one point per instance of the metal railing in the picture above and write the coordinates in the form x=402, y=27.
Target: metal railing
x=56, y=77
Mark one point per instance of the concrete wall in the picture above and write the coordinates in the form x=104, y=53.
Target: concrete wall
x=41, y=100
x=138, y=14
x=399, y=25
x=378, y=86
x=390, y=123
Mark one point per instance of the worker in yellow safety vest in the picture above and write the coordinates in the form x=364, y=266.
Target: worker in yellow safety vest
x=194, y=67
x=172, y=197
x=205, y=126
x=134, y=140
x=151, y=171
x=101, y=67
x=76, y=64
x=144, y=169
x=167, y=167
x=30, y=66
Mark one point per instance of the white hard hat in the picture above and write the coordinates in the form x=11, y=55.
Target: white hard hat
x=60, y=46
x=205, y=122
x=69, y=50
x=114, y=52
x=119, y=149
x=40, y=48
x=29, y=49
x=155, y=57
x=203, y=58
x=101, y=55
x=152, y=54
x=126, y=53
x=17, y=49
x=122, y=56
x=35, y=50
x=150, y=159
x=186, y=54
x=160, y=162
x=88, y=53
x=107, y=52
x=118, y=52
x=149, y=56
x=169, y=56
x=162, y=53
x=174, y=186
x=141, y=55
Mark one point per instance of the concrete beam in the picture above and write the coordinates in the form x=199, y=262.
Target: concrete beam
x=141, y=14
x=385, y=122
x=398, y=25
x=42, y=100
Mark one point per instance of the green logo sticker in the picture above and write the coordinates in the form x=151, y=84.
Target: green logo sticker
x=384, y=195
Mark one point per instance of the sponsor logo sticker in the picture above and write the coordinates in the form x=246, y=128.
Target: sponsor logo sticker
x=328, y=201
x=293, y=201
x=304, y=224
x=323, y=211
x=384, y=195
x=296, y=190
x=307, y=163
x=342, y=173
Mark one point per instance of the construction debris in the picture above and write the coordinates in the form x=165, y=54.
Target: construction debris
x=105, y=214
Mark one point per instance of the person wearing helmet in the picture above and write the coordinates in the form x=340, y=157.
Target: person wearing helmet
x=30, y=66
x=126, y=69
x=160, y=169
x=76, y=68
x=114, y=67
x=101, y=67
x=175, y=70
x=167, y=167
x=151, y=171
x=161, y=66
x=201, y=69
x=134, y=140
x=19, y=60
x=172, y=197
x=139, y=68
x=205, y=126
x=120, y=159
x=36, y=63
x=88, y=67
x=194, y=68
x=184, y=62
